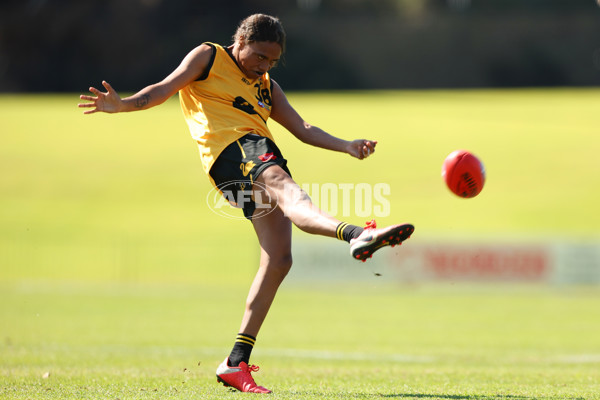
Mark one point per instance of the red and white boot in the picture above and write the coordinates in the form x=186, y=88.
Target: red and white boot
x=239, y=377
x=372, y=239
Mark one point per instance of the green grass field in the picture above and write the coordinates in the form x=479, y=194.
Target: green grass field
x=118, y=282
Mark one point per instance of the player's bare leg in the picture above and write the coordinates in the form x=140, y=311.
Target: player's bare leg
x=274, y=232
x=285, y=193
x=296, y=204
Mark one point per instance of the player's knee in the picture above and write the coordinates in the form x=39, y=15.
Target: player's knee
x=281, y=264
x=285, y=262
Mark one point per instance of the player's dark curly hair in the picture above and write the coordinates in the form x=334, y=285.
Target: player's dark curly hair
x=260, y=28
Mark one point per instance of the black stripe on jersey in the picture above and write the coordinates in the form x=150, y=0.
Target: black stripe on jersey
x=210, y=63
x=242, y=104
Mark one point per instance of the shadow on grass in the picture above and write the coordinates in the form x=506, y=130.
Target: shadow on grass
x=472, y=397
x=408, y=396
x=427, y=396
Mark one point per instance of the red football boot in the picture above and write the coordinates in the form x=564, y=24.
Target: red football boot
x=239, y=377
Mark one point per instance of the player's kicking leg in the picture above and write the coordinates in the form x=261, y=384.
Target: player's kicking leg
x=298, y=207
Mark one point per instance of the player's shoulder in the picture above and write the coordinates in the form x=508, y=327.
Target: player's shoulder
x=275, y=85
x=203, y=57
x=277, y=92
x=205, y=50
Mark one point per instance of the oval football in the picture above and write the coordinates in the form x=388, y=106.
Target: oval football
x=463, y=173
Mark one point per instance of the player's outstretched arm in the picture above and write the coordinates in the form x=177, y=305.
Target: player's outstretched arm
x=287, y=116
x=190, y=68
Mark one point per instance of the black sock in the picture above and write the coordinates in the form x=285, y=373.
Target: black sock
x=346, y=232
x=241, y=349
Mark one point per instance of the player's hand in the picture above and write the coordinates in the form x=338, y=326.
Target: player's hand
x=109, y=101
x=361, y=148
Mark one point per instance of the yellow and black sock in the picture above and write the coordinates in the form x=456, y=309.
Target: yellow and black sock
x=241, y=349
x=345, y=231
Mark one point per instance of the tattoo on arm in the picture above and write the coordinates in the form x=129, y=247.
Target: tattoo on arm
x=142, y=101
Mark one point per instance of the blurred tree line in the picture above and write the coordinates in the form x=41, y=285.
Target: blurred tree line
x=68, y=45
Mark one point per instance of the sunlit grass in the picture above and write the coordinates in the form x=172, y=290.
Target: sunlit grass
x=117, y=281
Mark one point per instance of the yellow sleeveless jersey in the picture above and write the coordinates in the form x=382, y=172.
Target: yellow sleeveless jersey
x=223, y=105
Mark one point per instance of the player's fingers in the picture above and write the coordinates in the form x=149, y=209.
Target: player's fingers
x=95, y=91
x=107, y=86
x=88, y=98
x=90, y=111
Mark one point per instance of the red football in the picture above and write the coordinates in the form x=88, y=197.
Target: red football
x=463, y=173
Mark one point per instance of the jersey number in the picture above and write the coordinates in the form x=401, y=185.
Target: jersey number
x=263, y=95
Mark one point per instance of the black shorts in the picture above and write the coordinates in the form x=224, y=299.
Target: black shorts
x=238, y=166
